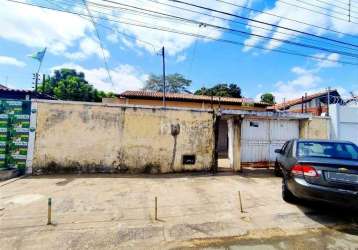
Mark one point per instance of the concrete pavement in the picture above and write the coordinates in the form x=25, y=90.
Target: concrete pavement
x=116, y=211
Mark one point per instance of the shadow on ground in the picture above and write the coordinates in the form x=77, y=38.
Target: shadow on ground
x=331, y=216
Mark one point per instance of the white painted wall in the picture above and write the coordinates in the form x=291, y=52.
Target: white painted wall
x=344, y=122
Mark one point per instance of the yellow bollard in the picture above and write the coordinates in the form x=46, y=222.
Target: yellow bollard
x=49, y=203
x=240, y=202
x=156, y=208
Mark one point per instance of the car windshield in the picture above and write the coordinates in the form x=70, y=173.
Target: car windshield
x=328, y=150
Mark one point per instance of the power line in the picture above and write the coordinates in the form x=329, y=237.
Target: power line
x=325, y=9
x=286, y=18
x=100, y=43
x=213, y=26
x=262, y=28
x=337, y=6
x=240, y=31
x=315, y=11
x=262, y=22
x=284, y=51
x=107, y=27
x=344, y=2
x=251, y=25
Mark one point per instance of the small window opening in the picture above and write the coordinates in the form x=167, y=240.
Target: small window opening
x=254, y=124
x=189, y=159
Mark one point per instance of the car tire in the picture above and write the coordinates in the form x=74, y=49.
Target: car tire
x=286, y=193
x=277, y=171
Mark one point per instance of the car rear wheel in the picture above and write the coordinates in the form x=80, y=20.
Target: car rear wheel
x=286, y=194
x=277, y=170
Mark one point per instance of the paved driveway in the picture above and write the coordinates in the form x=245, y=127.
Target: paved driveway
x=116, y=211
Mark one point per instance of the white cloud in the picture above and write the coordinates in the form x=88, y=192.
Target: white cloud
x=38, y=28
x=327, y=61
x=11, y=61
x=88, y=47
x=292, y=12
x=180, y=58
x=305, y=80
x=124, y=77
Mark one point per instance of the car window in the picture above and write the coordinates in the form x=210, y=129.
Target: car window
x=284, y=147
x=351, y=150
x=289, y=149
x=328, y=150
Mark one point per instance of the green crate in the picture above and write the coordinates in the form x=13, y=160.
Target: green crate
x=12, y=107
x=19, y=137
x=3, y=150
x=14, y=133
x=3, y=137
x=4, y=123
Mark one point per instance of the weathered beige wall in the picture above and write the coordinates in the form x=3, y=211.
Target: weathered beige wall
x=315, y=128
x=93, y=138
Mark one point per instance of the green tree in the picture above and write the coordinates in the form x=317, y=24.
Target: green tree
x=222, y=89
x=175, y=83
x=268, y=98
x=68, y=84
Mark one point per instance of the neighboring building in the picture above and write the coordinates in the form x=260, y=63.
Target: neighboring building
x=186, y=101
x=315, y=104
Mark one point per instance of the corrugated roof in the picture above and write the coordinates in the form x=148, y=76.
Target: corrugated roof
x=299, y=100
x=26, y=91
x=188, y=97
x=3, y=86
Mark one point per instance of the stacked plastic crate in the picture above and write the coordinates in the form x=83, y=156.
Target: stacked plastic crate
x=3, y=139
x=14, y=133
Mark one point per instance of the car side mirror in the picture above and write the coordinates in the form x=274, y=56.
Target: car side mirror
x=278, y=151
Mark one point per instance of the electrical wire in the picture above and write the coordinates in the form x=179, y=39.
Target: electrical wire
x=325, y=9
x=252, y=25
x=338, y=6
x=107, y=27
x=286, y=18
x=230, y=30
x=243, y=32
x=315, y=11
x=283, y=51
x=262, y=22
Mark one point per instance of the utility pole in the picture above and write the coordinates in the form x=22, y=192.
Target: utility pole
x=35, y=77
x=328, y=99
x=164, y=84
x=349, y=10
x=43, y=82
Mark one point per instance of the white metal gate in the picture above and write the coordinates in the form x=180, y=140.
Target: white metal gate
x=259, y=138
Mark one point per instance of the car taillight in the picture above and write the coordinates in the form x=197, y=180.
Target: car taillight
x=306, y=170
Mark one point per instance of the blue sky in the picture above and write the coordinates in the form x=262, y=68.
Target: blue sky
x=71, y=42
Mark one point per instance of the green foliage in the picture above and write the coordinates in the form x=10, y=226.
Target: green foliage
x=268, y=98
x=175, y=83
x=222, y=89
x=67, y=84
